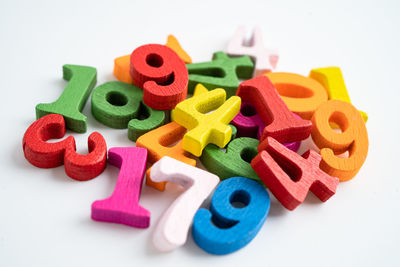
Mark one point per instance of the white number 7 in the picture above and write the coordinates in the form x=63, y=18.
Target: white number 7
x=173, y=226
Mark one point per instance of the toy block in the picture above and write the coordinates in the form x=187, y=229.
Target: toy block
x=158, y=144
x=234, y=131
x=50, y=155
x=279, y=120
x=221, y=72
x=301, y=94
x=290, y=176
x=162, y=75
x=332, y=79
x=199, y=89
x=234, y=162
x=119, y=105
x=265, y=59
x=238, y=210
x=86, y=167
x=206, y=128
x=249, y=124
x=172, y=229
x=81, y=80
x=173, y=43
x=353, y=138
x=122, y=66
x=40, y=153
x=123, y=205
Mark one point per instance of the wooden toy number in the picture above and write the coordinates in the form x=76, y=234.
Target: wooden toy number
x=353, y=138
x=161, y=74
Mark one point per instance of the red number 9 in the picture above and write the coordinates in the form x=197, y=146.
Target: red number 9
x=161, y=74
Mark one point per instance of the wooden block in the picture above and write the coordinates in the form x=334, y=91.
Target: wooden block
x=199, y=89
x=353, y=138
x=123, y=205
x=81, y=80
x=120, y=105
x=161, y=74
x=239, y=208
x=158, y=143
x=265, y=59
x=234, y=131
x=281, y=124
x=301, y=94
x=221, y=72
x=332, y=79
x=122, y=66
x=234, y=162
x=40, y=153
x=250, y=124
x=206, y=128
x=172, y=228
x=86, y=167
x=173, y=43
x=290, y=176
x=49, y=155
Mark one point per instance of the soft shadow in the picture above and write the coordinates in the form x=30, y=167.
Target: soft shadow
x=17, y=156
x=311, y=199
x=20, y=162
x=276, y=209
x=191, y=248
x=151, y=250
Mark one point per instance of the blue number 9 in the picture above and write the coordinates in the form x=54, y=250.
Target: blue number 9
x=238, y=209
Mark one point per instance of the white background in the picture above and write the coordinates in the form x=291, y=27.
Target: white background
x=45, y=216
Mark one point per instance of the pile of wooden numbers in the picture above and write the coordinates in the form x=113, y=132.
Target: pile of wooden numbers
x=259, y=122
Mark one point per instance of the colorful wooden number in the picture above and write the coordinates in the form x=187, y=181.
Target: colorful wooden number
x=279, y=120
x=50, y=155
x=301, y=94
x=158, y=143
x=332, y=79
x=86, y=167
x=221, y=72
x=249, y=124
x=40, y=153
x=162, y=75
x=122, y=64
x=123, y=205
x=239, y=208
x=119, y=105
x=353, y=138
x=290, y=176
x=173, y=43
x=234, y=162
x=81, y=80
x=206, y=128
x=265, y=59
x=172, y=228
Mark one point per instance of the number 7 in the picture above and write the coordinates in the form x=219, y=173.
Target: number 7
x=172, y=229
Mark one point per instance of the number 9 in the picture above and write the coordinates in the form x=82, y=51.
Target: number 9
x=353, y=138
x=162, y=75
x=225, y=228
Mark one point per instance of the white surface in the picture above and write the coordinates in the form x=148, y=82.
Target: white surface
x=45, y=216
